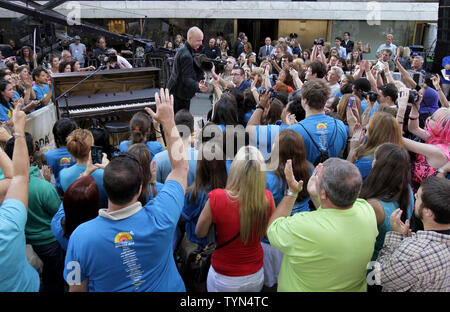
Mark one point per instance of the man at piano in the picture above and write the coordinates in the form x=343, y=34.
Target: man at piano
x=41, y=88
x=186, y=77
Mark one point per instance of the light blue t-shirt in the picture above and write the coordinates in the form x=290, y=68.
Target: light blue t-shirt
x=322, y=129
x=68, y=175
x=364, y=164
x=163, y=166
x=41, y=92
x=6, y=113
x=153, y=146
x=364, y=106
x=389, y=208
x=264, y=137
x=131, y=254
x=57, y=229
x=16, y=274
x=58, y=159
x=191, y=212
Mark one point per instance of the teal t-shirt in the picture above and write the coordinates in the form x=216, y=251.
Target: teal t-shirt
x=325, y=250
x=16, y=274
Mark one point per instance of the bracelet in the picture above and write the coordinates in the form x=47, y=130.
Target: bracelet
x=254, y=89
x=440, y=170
x=289, y=193
x=260, y=106
x=413, y=118
x=438, y=89
x=20, y=135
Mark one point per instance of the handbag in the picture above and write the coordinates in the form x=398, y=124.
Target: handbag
x=200, y=260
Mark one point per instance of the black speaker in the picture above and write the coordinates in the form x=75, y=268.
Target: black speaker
x=443, y=35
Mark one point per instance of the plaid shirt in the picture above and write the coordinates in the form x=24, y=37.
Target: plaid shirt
x=419, y=263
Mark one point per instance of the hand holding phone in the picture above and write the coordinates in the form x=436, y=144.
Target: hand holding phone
x=96, y=153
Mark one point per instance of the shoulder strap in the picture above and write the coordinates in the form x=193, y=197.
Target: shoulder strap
x=226, y=243
x=317, y=146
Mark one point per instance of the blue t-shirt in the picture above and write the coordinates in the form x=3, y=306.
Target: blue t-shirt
x=16, y=274
x=68, y=175
x=389, y=208
x=275, y=186
x=163, y=166
x=57, y=228
x=130, y=254
x=364, y=106
x=153, y=146
x=191, y=212
x=41, y=92
x=446, y=61
x=364, y=164
x=159, y=187
x=322, y=129
x=59, y=159
x=264, y=137
x=244, y=85
x=6, y=113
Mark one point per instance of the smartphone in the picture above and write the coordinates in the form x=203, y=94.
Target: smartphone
x=350, y=101
x=96, y=153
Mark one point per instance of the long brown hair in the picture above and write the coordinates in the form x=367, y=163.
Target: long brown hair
x=290, y=145
x=383, y=128
x=210, y=174
x=142, y=154
x=390, y=177
x=342, y=107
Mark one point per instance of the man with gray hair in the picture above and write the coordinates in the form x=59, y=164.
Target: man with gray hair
x=327, y=249
x=334, y=76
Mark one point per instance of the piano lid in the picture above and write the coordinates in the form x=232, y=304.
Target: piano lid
x=106, y=81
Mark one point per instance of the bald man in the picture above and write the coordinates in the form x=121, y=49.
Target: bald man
x=186, y=76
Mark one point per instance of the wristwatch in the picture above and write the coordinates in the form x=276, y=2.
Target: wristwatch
x=259, y=106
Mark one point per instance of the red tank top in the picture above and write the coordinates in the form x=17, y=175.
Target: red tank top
x=234, y=259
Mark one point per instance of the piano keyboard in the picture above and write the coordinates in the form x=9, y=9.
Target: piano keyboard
x=109, y=108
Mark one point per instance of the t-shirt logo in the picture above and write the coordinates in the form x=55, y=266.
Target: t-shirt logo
x=321, y=126
x=123, y=239
x=64, y=161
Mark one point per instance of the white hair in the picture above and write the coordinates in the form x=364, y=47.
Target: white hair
x=339, y=71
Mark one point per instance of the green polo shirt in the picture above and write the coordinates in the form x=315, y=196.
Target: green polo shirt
x=325, y=250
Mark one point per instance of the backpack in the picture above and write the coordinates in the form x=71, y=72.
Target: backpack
x=323, y=153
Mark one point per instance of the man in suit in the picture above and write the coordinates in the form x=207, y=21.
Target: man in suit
x=239, y=45
x=347, y=43
x=266, y=50
x=186, y=76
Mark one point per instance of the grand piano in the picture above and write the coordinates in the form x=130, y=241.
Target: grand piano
x=109, y=95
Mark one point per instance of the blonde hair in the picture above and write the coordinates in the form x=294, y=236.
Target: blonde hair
x=247, y=181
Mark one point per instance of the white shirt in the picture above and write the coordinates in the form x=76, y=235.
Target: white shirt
x=123, y=61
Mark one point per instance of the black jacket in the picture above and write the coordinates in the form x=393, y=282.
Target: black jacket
x=185, y=76
x=349, y=46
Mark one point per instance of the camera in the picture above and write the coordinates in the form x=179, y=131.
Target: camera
x=206, y=64
x=319, y=41
x=108, y=57
x=371, y=94
x=413, y=96
x=273, y=93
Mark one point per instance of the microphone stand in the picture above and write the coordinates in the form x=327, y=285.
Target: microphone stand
x=65, y=94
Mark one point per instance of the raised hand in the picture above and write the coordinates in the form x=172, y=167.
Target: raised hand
x=294, y=185
x=164, y=107
x=397, y=225
x=19, y=119
x=358, y=137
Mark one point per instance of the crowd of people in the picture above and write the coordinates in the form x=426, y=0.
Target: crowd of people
x=316, y=170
